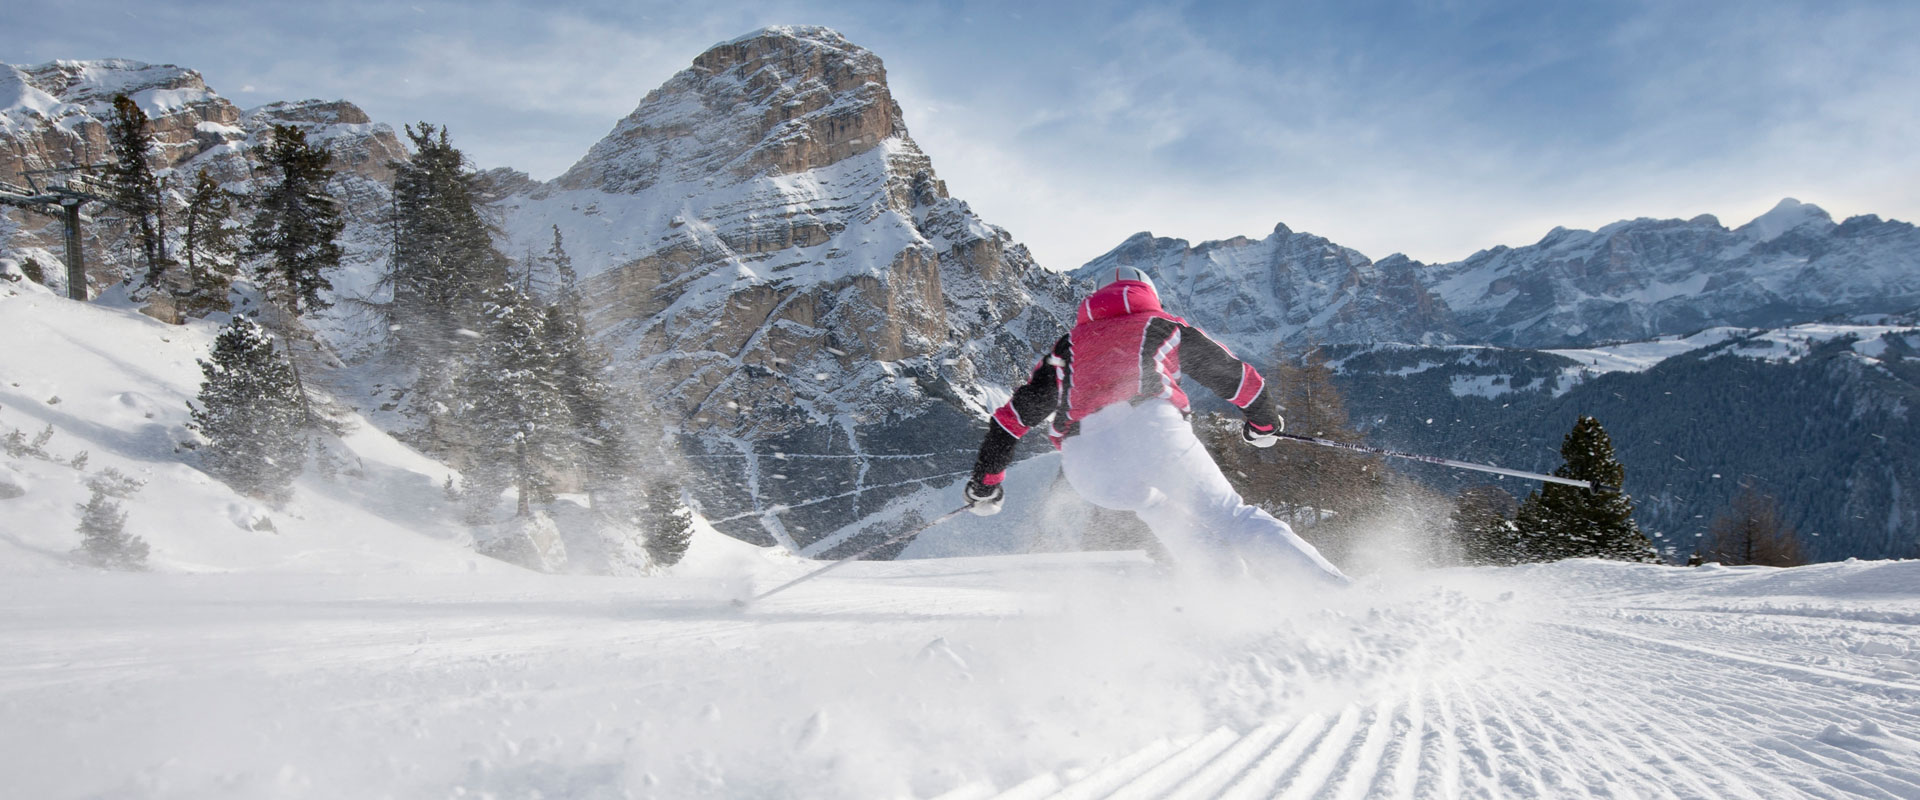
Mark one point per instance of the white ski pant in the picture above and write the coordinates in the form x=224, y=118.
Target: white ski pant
x=1145, y=459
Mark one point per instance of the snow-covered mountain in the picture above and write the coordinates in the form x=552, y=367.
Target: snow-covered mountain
x=54, y=115
x=1643, y=278
x=767, y=251
x=1287, y=287
x=1631, y=280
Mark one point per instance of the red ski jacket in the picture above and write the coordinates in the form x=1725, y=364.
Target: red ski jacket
x=1124, y=349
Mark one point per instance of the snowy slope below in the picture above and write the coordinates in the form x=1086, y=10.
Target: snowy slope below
x=115, y=384
x=1779, y=344
x=968, y=678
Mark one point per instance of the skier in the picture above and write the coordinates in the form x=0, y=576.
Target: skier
x=1112, y=386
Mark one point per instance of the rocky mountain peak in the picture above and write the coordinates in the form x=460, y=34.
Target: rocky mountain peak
x=97, y=81
x=781, y=100
x=766, y=250
x=1284, y=289
x=55, y=115
x=1786, y=215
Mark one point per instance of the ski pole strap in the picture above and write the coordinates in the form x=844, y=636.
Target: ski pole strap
x=1447, y=462
x=898, y=537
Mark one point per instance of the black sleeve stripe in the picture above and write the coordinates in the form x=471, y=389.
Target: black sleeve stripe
x=1031, y=404
x=1215, y=367
x=1158, y=331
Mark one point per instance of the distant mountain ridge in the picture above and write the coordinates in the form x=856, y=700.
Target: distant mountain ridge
x=1634, y=279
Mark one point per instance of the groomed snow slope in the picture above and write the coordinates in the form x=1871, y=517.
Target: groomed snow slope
x=1013, y=676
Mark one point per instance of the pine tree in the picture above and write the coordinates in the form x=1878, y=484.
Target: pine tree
x=669, y=523
x=104, y=541
x=210, y=248
x=598, y=445
x=133, y=187
x=444, y=262
x=250, y=412
x=296, y=224
x=1482, y=523
x=511, y=407
x=1752, y=531
x=1561, y=521
x=568, y=293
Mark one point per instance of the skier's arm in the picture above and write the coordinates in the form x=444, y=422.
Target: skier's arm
x=1030, y=406
x=1215, y=367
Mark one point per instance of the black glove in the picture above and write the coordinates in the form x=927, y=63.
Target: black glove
x=984, y=500
x=1263, y=436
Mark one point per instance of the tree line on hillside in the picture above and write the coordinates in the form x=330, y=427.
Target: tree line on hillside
x=1345, y=503
x=503, y=380
x=1824, y=434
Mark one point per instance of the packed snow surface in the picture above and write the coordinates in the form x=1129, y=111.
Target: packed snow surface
x=1015, y=676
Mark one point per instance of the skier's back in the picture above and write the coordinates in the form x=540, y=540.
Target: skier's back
x=1112, y=386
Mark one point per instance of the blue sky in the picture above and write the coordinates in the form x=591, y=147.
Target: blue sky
x=1432, y=128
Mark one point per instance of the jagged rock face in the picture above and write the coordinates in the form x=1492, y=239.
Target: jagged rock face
x=767, y=250
x=1627, y=281
x=788, y=101
x=1644, y=278
x=1288, y=288
x=54, y=115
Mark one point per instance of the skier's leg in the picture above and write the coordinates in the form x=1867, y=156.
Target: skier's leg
x=1103, y=463
x=1196, y=490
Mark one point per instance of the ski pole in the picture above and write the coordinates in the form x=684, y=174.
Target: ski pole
x=1447, y=462
x=899, y=537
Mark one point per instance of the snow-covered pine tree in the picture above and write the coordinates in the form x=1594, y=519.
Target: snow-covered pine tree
x=210, y=247
x=1483, y=526
x=598, y=444
x=296, y=223
x=250, y=412
x=568, y=291
x=444, y=262
x=669, y=522
x=132, y=186
x=1560, y=521
x=104, y=541
x=511, y=411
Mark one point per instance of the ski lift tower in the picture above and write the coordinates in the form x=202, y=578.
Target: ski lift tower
x=62, y=202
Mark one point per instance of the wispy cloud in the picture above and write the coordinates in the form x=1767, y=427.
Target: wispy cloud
x=1432, y=127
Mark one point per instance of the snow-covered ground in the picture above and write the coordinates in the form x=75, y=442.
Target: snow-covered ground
x=1781, y=344
x=1018, y=676
x=114, y=384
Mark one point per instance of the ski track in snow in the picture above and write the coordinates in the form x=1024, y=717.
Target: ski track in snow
x=1063, y=676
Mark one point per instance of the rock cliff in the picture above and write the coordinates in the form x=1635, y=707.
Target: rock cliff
x=54, y=116
x=769, y=252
